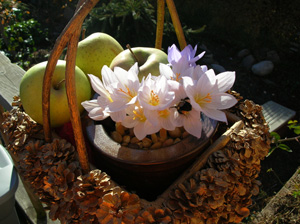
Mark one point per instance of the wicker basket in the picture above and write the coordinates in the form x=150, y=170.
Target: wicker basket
x=216, y=188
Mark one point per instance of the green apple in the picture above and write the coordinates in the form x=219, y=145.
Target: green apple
x=148, y=60
x=96, y=50
x=31, y=92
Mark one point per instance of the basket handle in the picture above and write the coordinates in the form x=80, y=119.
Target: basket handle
x=175, y=20
x=70, y=36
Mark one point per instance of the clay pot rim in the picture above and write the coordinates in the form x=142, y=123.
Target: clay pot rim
x=103, y=143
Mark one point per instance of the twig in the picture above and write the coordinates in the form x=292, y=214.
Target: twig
x=289, y=139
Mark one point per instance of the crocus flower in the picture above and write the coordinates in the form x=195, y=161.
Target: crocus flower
x=97, y=108
x=137, y=120
x=154, y=93
x=124, y=90
x=207, y=94
x=182, y=60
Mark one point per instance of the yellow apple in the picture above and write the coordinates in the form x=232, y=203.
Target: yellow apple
x=96, y=50
x=31, y=93
x=148, y=60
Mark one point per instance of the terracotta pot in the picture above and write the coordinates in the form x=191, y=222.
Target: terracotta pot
x=145, y=171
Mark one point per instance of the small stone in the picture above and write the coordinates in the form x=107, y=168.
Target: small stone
x=243, y=53
x=185, y=134
x=163, y=135
x=126, y=139
x=154, y=138
x=218, y=68
x=131, y=133
x=248, y=61
x=134, y=140
x=116, y=136
x=168, y=142
x=120, y=128
x=156, y=145
x=177, y=140
x=273, y=56
x=176, y=133
x=146, y=142
x=263, y=68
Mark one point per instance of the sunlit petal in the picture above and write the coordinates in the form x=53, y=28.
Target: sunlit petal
x=215, y=114
x=225, y=80
x=193, y=124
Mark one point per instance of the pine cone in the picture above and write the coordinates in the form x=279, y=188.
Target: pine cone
x=118, y=207
x=201, y=198
x=59, y=181
x=30, y=166
x=153, y=215
x=19, y=128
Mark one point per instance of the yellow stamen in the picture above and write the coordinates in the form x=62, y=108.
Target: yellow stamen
x=127, y=93
x=202, y=100
x=177, y=77
x=154, y=99
x=164, y=113
x=138, y=114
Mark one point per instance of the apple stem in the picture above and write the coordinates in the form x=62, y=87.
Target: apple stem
x=135, y=58
x=58, y=84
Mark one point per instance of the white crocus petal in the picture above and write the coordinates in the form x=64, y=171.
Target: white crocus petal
x=98, y=87
x=118, y=116
x=221, y=101
x=198, y=72
x=193, y=124
x=90, y=104
x=166, y=119
x=166, y=71
x=155, y=94
x=95, y=111
x=225, y=81
x=214, y=114
x=136, y=119
x=108, y=76
x=161, y=118
x=124, y=92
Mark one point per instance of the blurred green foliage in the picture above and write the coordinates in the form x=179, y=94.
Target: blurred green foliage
x=132, y=22
x=20, y=34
